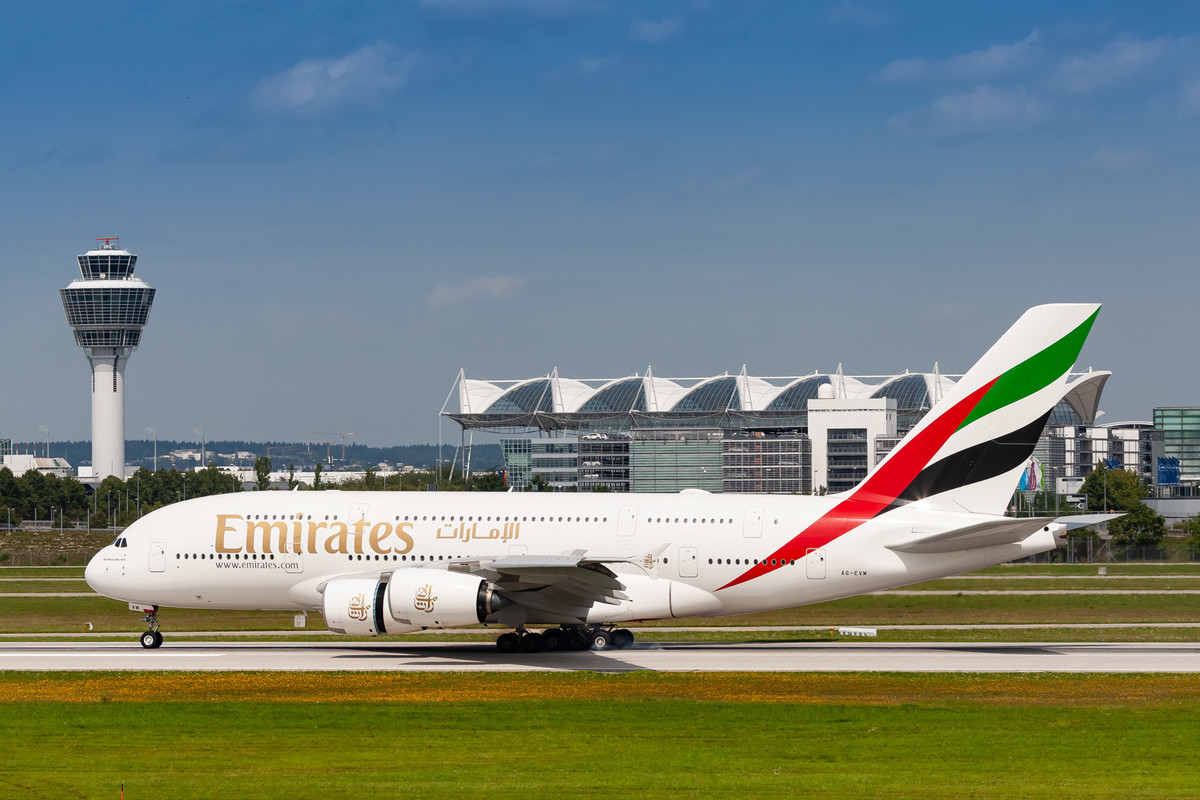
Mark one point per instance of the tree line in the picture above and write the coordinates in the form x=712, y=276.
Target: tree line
x=114, y=502
x=35, y=496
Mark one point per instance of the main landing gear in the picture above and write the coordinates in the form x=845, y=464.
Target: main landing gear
x=151, y=638
x=566, y=637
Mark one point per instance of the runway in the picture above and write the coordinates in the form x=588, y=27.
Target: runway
x=471, y=657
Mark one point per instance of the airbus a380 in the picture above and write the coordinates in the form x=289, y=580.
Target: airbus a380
x=575, y=566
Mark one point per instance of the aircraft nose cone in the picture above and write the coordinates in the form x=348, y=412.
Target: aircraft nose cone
x=96, y=573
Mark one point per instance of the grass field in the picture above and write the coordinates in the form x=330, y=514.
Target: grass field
x=642, y=735
x=37, y=615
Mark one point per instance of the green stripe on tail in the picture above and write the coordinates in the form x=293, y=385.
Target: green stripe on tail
x=1034, y=373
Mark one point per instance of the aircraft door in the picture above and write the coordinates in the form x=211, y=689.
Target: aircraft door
x=752, y=527
x=688, y=562
x=814, y=563
x=158, y=556
x=627, y=522
x=293, y=555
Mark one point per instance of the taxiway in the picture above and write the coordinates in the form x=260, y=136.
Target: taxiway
x=721, y=657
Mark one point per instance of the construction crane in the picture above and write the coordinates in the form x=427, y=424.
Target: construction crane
x=327, y=442
x=344, y=435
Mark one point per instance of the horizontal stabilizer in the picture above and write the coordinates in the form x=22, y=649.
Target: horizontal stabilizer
x=1083, y=520
x=1003, y=530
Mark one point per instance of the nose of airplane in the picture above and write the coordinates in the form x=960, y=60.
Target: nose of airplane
x=92, y=572
x=97, y=573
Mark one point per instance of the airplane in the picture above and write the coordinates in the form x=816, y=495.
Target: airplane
x=577, y=566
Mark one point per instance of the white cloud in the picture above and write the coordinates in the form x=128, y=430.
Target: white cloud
x=499, y=287
x=982, y=110
x=849, y=12
x=999, y=60
x=1115, y=159
x=652, y=32
x=361, y=77
x=1114, y=64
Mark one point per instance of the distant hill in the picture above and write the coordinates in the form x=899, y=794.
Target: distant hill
x=141, y=452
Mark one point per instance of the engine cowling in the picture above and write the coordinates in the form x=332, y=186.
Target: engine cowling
x=439, y=599
x=357, y=607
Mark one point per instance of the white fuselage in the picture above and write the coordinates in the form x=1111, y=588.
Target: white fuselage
x=266, y=550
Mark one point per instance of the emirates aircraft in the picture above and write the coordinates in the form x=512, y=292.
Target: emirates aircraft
x=576, y=566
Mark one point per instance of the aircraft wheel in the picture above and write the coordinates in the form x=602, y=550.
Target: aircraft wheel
x=158, y=639
x=622, y=638
x=508, y=643
x=576, y=640
x=151, y=639
x=552, y=639
x=532, y=642
x=599, y=639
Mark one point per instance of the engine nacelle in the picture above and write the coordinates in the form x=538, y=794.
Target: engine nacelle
x=438, y=599
x=356, y=606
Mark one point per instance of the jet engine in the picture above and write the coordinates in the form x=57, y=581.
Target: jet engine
x=355, y=606
x=439, y=599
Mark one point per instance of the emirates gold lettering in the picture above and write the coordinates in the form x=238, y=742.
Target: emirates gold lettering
x=338, y=541
x=253, y=528
x=235, y=533
x=223, y=527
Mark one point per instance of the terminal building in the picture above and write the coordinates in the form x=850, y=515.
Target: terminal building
x=817, y=433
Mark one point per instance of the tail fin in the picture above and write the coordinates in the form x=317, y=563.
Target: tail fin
x=967, y=453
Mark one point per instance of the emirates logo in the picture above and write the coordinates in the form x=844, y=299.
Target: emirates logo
x=423, y=600
x=358, y=608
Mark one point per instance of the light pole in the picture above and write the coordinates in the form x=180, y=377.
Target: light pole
x=110, y=522
x=46, y=431
x=154, y=433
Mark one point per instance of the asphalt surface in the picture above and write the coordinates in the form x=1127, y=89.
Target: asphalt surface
x=756, y=657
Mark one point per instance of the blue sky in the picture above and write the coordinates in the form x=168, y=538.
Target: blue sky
x=343, y=203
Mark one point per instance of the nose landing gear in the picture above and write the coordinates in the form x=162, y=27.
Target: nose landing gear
x=151, y=639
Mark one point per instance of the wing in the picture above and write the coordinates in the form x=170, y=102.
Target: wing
x=560, y=588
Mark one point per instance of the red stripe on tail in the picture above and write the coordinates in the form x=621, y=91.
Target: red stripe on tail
x=876, y=493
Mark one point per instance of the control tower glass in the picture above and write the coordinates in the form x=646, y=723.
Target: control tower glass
x=107, y=308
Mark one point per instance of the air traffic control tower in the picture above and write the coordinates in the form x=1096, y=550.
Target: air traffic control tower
x=108, y=307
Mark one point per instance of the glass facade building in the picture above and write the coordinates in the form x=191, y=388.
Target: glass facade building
x=1180, y=427
x=726, y=433
x=556, y=461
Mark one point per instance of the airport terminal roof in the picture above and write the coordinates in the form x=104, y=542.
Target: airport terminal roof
x=554, y=402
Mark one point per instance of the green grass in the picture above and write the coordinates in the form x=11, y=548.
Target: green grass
x=849, y=737
x=65, y=585
x=1042, y=583
x=68, y=614
x=41, y=572
x=1126, y=568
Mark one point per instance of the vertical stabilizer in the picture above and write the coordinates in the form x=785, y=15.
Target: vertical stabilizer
x=967, y=453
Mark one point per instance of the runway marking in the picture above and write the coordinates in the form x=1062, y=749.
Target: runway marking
x=121, y=654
